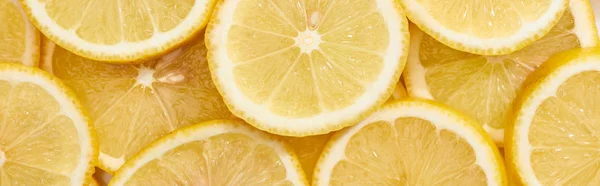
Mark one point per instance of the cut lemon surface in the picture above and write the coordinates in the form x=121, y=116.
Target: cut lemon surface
x=484, y=87
x=45, y=137
x=300, y=68
x=219, y=152
x=19, y=40
x=485, y=27
x=411, y=142
x=308, y=150
x=133, y=105
x=554, y=138
x=119, y=31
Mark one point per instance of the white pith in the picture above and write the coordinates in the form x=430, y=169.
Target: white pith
x=67, y=108
x=527, y=31
x=184, y=136
x=261, y=113
x=442, y=119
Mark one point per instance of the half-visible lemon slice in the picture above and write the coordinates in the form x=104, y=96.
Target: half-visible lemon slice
x=119, y=30
x=484, y=87
x=554, y=139
x=306, y=68
x=45, y=137
x=411, y=142
x=485, y=27
x=19, y=40
x=217, y=152
x=133, y=105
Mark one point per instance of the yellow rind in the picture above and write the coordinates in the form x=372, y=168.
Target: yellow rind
x=210, y=45
x=468, y=123
x=200, y=126
x=131, y=58
x=70, y=94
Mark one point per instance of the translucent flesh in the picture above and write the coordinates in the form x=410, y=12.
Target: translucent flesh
x=564, y=134
x=13, y=32
x=225, y=159
x=40, y=145
x=114, y=21
x=409, y=151
x=129, y=114
x=308, y=149
x=485, y=86
x=485, y=19
x=272, y=70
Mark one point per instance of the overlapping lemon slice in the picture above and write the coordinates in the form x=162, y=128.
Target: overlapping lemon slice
x=119, y=30
x=19, y=40
x=411, y=142
x=133, y=105
x=485, y=27
x=217, y=152
x=484, y=87
x=554, y=137
x=301, y=68
x=45, y=137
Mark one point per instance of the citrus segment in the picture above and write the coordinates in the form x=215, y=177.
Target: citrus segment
x=485, y=87
x=137, y=104
x=411, y=142
x=119, y=30
x=45, y=137
x=300, y=68
x=217, y=152
x=19, y=40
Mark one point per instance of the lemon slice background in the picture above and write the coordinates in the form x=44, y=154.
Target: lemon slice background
x=411, y=142
x=216, y=152
x=118, y=31
x=133, y=105
x=45, y=136
x=554, y=138
x=484, y=87
x=485, y=27
x=322, y=66
x=19, y=40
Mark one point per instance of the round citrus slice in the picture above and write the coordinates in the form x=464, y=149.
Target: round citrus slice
x=19, y=40
x=485, y=27
x=411, y=142
x=219, y=152
x=133, y=105
x=119, y=30
x=308, y=67
x=484, y=87
x=45, y=137
x=554, y=138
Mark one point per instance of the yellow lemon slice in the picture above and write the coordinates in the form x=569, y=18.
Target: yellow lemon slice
x=484, y=87
x=554, y=137
x=306, y=68
x=485, y=27
x=119, y=30
x=45, y=137
x=19, y=40
x=217, y=152
x=133, y=105
x=411, y=142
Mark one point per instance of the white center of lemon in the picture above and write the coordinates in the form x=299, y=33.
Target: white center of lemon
x=2, y=158
x=145, y=76
x=308, y=41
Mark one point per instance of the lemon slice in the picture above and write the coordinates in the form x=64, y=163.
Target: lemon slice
x=554, y=139
x=411, y=142
x=484, y=87
x=308, y=150
x=119, y=30
x=219, y=152
x=306, y=68
x=485, y=27
x=133, y=105
x=45, y=137
x=19, y=40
